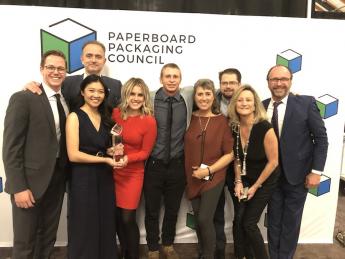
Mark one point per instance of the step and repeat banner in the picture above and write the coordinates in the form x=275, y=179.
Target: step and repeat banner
x=140, y=43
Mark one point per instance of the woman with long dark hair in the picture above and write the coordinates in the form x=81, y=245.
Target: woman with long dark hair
x=91, y=225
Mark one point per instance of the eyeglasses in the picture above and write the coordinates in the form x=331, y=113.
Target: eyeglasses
x=276, y=80
x=52, y=69
x=226, y=83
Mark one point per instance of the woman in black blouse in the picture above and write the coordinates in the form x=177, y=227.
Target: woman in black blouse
x=256, y=158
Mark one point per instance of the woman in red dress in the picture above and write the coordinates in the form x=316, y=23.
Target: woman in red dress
x=139, y=132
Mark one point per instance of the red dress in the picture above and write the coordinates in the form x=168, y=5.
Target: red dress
x=138, y=136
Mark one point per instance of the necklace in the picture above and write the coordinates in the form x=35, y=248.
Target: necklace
x=204, y=129
x=244, y=150
x=202, y=135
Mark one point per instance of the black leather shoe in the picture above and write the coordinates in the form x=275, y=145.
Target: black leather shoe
x=219, y=254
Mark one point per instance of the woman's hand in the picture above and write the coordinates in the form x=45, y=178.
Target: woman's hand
x=199, y=173
x=121, y=163
x=238, y=190
x=251, y=192
x=116, y=150
x=110, y=161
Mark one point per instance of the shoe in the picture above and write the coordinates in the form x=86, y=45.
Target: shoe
x=341, y=237
x=170, y=253
x=219, y=254
x=153, y=255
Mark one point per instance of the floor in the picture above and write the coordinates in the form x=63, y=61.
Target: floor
x=304, y=251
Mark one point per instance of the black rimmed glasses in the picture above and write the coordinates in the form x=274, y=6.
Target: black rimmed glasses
x=231, y=83
x=52, y=69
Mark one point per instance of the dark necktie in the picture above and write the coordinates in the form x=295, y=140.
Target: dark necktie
x=168, y=130
x=62, y=115
x=274, y=119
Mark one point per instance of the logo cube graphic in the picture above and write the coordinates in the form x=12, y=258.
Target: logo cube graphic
x=324, y=187
x=69, y=37
x=1, y=188
x=190, y=220
x=290, y=59
x=328, y=105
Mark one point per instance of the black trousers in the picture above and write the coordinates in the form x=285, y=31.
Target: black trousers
x=167, y=182
x=248, y=240
x=34, y=229
x=241, y=243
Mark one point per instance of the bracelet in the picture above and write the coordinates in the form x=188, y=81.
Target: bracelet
x=210, y=174
x=209, y=171
x=237, y=181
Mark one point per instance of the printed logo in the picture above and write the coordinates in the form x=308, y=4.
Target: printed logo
x=69, y=37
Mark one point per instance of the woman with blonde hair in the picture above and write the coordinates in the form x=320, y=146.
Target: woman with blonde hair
x=256, y=158
x=139, y=132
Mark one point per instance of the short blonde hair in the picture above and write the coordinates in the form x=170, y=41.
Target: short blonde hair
x=127, y=88
x=259, y=113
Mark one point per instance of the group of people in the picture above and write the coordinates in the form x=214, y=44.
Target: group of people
x=192, y=139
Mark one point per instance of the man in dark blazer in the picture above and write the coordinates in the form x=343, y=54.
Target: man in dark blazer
x=302, y=155
x=93, y=59
x=35, y=160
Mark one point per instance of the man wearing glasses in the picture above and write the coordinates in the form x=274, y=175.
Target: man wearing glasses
x=35, y=160
x=302, y=155
x=229, y=80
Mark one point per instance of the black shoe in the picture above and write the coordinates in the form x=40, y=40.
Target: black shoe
x=219, y=254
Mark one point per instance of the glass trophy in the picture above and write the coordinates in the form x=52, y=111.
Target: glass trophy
x=116, y=138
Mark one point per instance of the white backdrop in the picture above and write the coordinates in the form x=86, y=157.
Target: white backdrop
x=216, y=42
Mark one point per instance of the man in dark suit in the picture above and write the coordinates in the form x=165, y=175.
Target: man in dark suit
x=35, y=160
x=302, y=155
x=93, y=59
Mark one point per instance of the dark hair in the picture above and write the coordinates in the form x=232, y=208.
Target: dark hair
x=231, y=71
x=275, y=66
x=52, y=52
x=209, y=85
x=104, y=109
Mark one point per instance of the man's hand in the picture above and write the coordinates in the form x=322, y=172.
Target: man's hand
x=33, y=87
x=24, y=199
x=312, y=180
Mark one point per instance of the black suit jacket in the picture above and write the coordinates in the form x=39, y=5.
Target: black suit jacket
x=71, y=89
x=303, y=140
x=29, y=143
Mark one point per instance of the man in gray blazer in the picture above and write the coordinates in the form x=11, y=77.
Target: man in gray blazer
x=35, y=160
